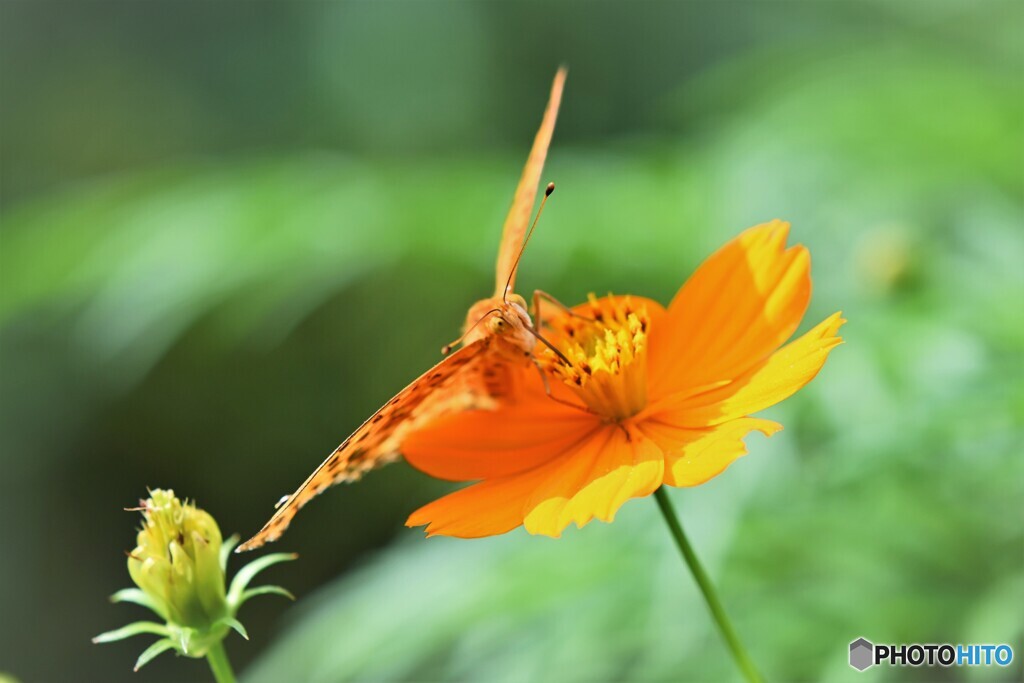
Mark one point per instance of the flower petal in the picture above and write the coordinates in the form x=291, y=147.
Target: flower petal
x=594, y=479
x=774, y=379
x=741, y=304
x=484, y=444
x=489, y=508
x=694, y=456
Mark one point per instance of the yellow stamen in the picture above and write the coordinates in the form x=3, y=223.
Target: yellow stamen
x=607, y=353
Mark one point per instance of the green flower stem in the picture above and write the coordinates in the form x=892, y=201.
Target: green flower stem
x=743, y=660
x=219, y=664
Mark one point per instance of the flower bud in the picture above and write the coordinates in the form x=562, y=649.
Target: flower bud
x=179, y=565
x=177, y=561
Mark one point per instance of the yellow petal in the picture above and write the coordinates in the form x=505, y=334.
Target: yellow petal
x=774, y=379
x=693, y=456
x=741, y=304
x=602, y=475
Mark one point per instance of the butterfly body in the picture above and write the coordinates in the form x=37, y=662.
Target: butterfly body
x=496, y=348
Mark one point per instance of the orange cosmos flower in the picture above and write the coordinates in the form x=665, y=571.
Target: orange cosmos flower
x=640, y=396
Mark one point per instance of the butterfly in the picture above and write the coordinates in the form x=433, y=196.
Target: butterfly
x=497, y=343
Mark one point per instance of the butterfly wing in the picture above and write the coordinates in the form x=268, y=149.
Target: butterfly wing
x=518, y=218
x=475, y=376
x=448, y=386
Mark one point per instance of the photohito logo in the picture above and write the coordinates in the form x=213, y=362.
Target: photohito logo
x=865, y=654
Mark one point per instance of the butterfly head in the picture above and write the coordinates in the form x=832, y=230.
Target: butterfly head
x=511, y=325
x=510, y=317
x=504, y=320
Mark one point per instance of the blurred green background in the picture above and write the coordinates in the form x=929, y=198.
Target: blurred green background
x=231, y=230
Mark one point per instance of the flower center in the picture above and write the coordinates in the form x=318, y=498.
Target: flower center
x=606, y=346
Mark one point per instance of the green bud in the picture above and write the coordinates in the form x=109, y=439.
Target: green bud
x=179, y=565
x=177, y=562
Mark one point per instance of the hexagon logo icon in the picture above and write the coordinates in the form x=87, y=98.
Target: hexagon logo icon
x=861, y=654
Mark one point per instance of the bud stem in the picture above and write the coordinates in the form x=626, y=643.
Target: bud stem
x=219, y=664
x=743, y=660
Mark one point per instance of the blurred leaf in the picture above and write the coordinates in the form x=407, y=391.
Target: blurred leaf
x=224, y=299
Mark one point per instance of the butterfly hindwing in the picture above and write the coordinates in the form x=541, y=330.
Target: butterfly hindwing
x=443, y=388
x=518, y=219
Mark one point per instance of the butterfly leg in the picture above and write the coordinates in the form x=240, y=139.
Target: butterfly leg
x=547, y=390
x=539, y=295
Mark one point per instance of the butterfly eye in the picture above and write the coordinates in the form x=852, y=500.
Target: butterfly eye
x=497, y=324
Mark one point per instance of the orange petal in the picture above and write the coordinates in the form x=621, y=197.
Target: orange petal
x=693, y=456
x=595, y=481
x=489, y=508
x=774, y=379
x=493, y=506
x=484, y=444
x=739, y=306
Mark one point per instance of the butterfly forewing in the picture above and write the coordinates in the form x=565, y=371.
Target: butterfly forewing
x=459, y=382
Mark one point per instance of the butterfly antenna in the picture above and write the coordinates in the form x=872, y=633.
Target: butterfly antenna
x=447, y=348
x=554, y=349
x=547, y=193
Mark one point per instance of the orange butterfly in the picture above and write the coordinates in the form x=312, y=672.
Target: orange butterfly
x=497, y=343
